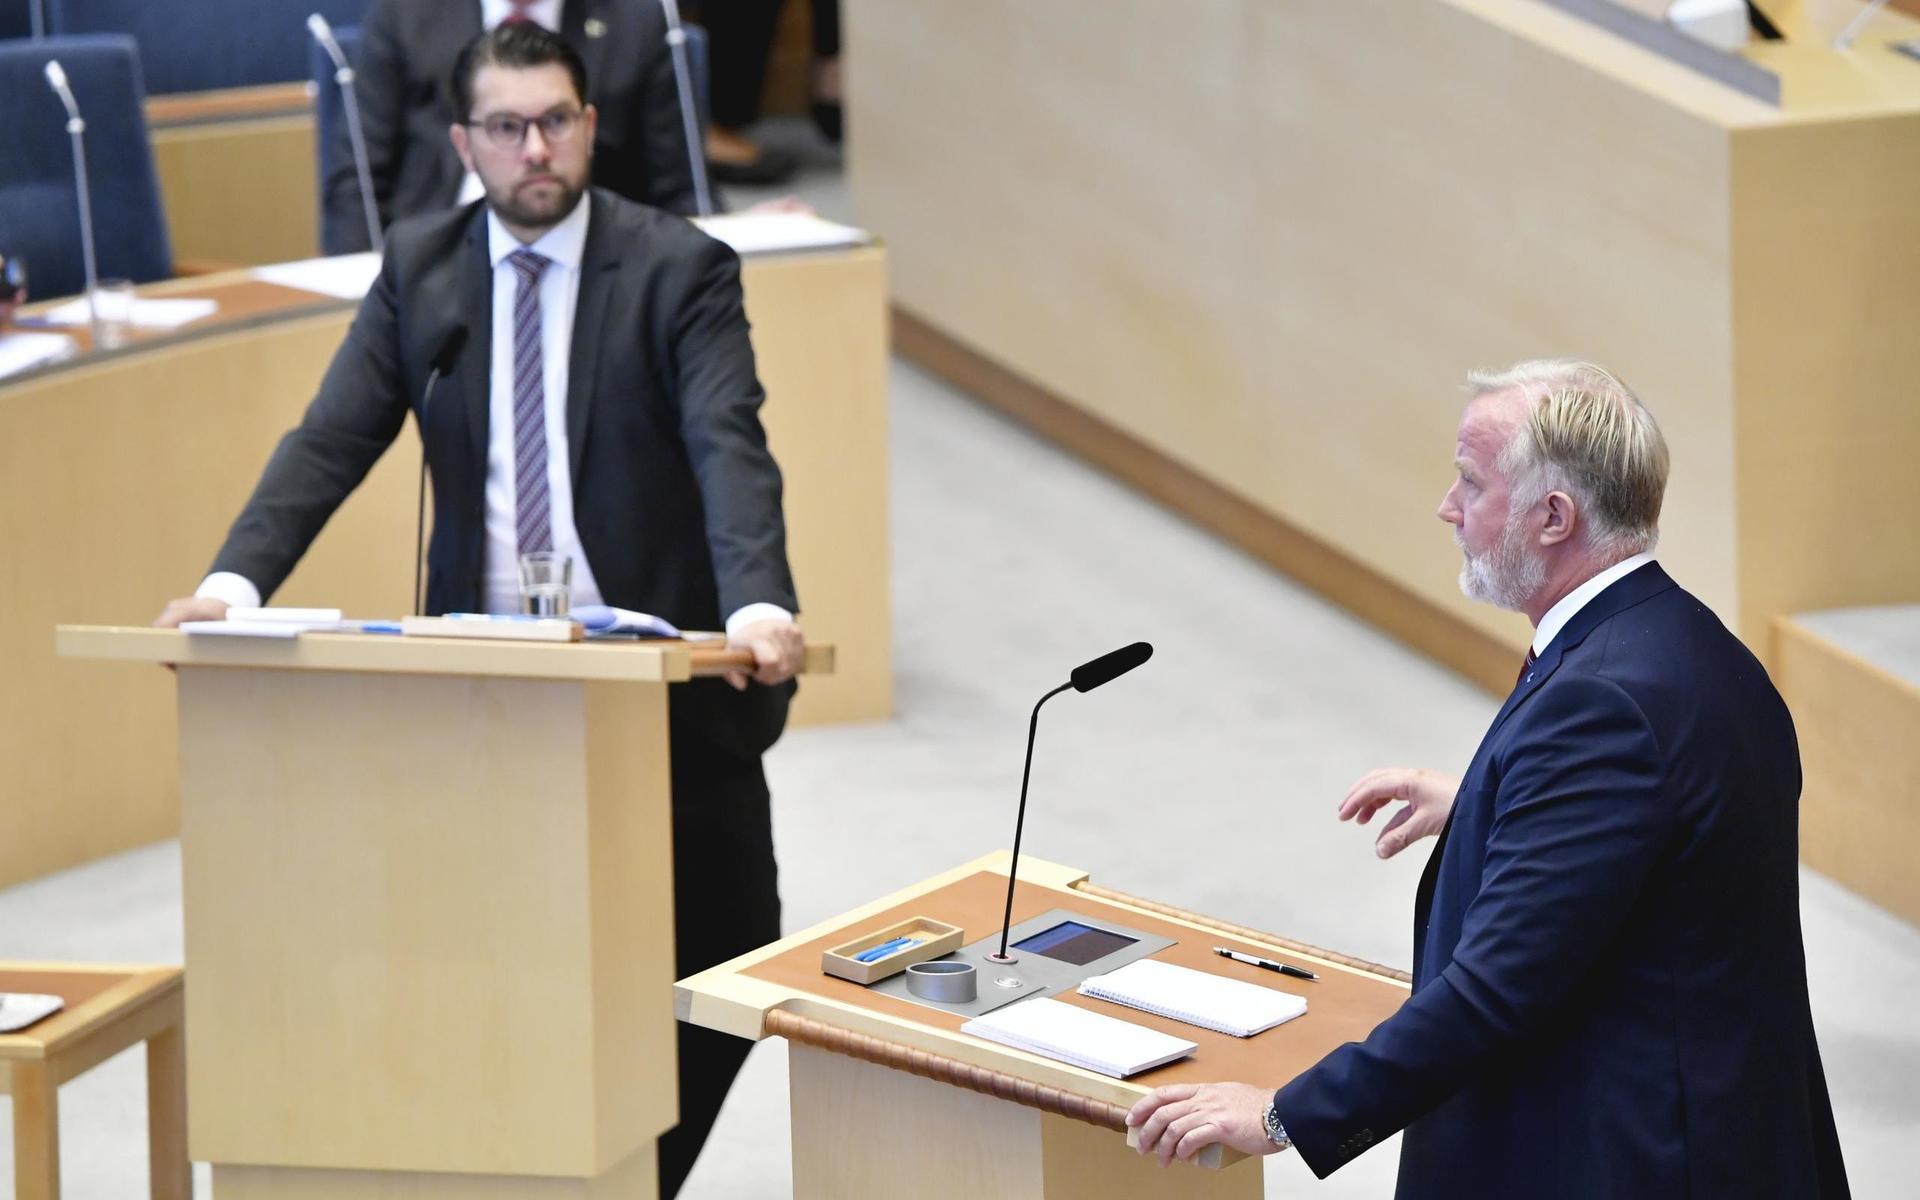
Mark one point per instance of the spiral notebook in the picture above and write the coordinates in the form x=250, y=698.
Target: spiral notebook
x=1079, y=1036
x=1232, y=1006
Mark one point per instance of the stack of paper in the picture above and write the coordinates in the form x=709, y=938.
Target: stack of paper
x=603, y=621
x=1233, y=1006
x=25, y=351
x=267, y=622
x=146, y=313
x=776, y=232
x=345, y=276
x=1075, y=1035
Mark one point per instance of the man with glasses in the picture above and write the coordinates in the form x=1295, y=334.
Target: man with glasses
x=603, y=404
x=407, y=50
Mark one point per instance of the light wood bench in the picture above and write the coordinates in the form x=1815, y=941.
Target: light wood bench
x=108, y=1008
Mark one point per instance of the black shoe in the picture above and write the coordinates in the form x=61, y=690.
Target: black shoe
x=767, y=168
x=828, y=119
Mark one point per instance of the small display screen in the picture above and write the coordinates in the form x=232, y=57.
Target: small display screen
x=1072, y=942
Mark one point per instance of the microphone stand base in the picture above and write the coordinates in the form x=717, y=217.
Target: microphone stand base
x=1003, y=959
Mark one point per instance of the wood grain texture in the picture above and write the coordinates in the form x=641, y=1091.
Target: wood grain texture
x=429, y=920
x=964, y=1145
x=1860, y=766
x=240, y=190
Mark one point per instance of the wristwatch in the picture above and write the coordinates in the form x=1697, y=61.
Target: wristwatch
x=1276, y=1132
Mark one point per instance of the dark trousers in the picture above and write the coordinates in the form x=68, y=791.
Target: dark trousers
x=739, y=43
x=726, y=902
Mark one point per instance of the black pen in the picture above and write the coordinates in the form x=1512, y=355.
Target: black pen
x=1265, y=963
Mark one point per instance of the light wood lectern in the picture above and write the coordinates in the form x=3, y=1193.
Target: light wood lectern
x=429, y=910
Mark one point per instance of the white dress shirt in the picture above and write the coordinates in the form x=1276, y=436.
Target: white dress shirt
x=563, y=245
x=545, y=13
x=1577, y=599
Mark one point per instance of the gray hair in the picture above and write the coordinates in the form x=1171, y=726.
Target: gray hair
x=1586, y=434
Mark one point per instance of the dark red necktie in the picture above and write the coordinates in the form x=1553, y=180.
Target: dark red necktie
x=1524, y=668
x=519, y=12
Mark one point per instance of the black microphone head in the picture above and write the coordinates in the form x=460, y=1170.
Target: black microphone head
x=1109, y=666
x=450, y=347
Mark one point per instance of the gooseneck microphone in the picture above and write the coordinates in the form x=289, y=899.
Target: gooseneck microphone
x=343, y=76
x=689, y=115
x=76, y=129
x=1084, y=678
x=443, y=363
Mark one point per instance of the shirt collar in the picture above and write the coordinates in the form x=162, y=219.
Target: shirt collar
x=564, y=244
x=1577, y=599
x=545, y=12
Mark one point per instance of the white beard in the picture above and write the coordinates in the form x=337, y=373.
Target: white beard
x=1508, y=575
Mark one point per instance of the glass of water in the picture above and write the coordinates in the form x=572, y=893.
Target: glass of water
x=113, y=301
x=546, y=584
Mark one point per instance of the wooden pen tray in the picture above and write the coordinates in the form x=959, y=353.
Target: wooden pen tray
x=936, y=938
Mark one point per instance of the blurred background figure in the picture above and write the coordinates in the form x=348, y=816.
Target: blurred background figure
x=741, y=36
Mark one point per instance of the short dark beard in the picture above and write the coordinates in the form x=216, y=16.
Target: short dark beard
x=511, y=213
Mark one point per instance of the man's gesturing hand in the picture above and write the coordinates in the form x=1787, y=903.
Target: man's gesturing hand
x=1429, y=796
x=778, y=647
x=1180, y=1120
x=190, y=608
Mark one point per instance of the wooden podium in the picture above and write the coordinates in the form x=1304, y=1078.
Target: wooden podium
x=428, y=892
x=889, y=1098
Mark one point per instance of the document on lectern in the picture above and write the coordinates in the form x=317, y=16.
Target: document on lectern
x=1231, y=1006
x=1075, y=1035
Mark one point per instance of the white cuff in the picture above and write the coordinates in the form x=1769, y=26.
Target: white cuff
x=751, y=613
x=237, y=590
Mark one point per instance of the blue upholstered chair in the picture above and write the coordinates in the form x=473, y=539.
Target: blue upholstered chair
x=198, y=45
x=16, y=18
x=38, y=209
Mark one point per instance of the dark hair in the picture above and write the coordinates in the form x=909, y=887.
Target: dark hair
x=515, y=45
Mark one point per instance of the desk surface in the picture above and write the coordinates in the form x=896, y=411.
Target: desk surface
x=632, y=661
x=736, y=997
x=94, y=995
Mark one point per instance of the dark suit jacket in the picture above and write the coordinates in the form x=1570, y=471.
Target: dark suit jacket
x=676, y=498
x=406, y=59
x=1610, y=994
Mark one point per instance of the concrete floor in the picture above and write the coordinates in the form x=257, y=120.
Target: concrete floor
x=1206, y=779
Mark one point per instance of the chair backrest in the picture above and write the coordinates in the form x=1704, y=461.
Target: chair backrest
x=39, y=208
x=199, y=45
x=330, y=112
x=16, y=18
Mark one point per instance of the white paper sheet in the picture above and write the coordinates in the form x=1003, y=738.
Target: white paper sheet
x=345, y=276
x=25, y=351
x=147, y=313
x=773, y=232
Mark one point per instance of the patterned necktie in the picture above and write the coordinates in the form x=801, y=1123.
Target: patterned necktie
x=1525, y=667
x=533, y=524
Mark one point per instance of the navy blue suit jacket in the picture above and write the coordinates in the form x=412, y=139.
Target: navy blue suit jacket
x=1609, y=994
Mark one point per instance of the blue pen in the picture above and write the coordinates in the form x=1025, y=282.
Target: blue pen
x=884, y=949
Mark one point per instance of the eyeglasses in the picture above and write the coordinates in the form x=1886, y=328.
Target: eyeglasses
x=508, y=130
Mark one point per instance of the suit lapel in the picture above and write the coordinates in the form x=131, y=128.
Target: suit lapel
x=1623, y=594
x=476, y=298
x=599, y=271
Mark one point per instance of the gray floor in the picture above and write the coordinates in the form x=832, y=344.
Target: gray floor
x=1207, y=779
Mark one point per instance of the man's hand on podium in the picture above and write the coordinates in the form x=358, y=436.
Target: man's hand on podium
x=190, y=608
x=777, y=645
x=1429, y=796
x=1180, y=1120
